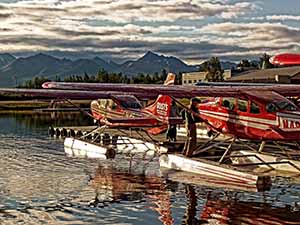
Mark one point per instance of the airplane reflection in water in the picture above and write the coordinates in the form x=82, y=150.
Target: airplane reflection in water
x=220, y=207
x=233, y=211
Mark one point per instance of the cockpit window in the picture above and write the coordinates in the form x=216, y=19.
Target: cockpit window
x=130, y=105
x=285, y=105
x=281, y=105
x=128, y=102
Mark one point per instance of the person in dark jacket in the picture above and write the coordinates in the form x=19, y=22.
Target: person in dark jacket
x=172, y=128
x=190, y=124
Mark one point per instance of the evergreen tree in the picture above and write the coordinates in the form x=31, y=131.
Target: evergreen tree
x=265, y=62
x=86, y=77
x=156, y=78
x=148, y=79
x=35, y=82
x=92, y=79
x=214, y=70
x=164, y=74
x=102, y=76
x=57, y=78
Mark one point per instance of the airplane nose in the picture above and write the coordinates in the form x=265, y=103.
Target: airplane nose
x=45, y=85
x=48, y=85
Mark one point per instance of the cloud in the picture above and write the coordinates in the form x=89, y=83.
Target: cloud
x=254, y=35
x=283, y=17
x=5, y=15
x=130, y=11
x=251, y=39
x=5, y=12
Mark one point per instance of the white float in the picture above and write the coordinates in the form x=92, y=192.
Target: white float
x=265, y=161
x=82, y=148
x=123, y=145
x=210, y=168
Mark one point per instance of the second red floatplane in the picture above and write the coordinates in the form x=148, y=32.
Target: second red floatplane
x=122, y=112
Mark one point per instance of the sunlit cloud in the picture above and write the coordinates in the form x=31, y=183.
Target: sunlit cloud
x=283, y=17
x=254, y=35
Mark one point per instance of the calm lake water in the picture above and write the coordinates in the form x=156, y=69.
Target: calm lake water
x=39, y=184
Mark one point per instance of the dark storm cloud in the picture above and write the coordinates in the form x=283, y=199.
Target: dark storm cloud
x=127, y=6
x=5, y=15
x=73, y=33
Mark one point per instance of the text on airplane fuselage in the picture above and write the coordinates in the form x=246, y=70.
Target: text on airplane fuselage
x=289, y=124
x=162, y=109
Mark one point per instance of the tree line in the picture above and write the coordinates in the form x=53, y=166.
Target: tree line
x=104, y=77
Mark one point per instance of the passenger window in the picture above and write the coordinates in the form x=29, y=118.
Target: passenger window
x=254, y=108
x=242, y=105
x=228, y=103
x=271, y=107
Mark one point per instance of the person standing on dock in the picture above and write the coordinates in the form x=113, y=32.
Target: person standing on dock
x=172, y=128
x=190, y=125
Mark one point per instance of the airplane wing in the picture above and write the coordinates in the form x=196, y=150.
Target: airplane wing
x=70, y=94
x=177, y=91
x=106, y=90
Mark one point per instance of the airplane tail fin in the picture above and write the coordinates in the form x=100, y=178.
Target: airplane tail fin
x=162, y=105
x=170, y=80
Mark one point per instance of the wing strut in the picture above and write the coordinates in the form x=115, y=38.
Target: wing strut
x=80, y=109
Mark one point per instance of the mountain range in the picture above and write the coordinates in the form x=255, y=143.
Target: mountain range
x=14, y=71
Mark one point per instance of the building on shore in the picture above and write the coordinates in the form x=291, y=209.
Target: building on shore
x=194, y=77
x=284, y=75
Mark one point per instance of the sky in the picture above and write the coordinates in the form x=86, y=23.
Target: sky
x=193, y=30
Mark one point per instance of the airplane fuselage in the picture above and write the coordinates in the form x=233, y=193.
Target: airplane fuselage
x=251, y=120
x=126, y=111
x=116, y=116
